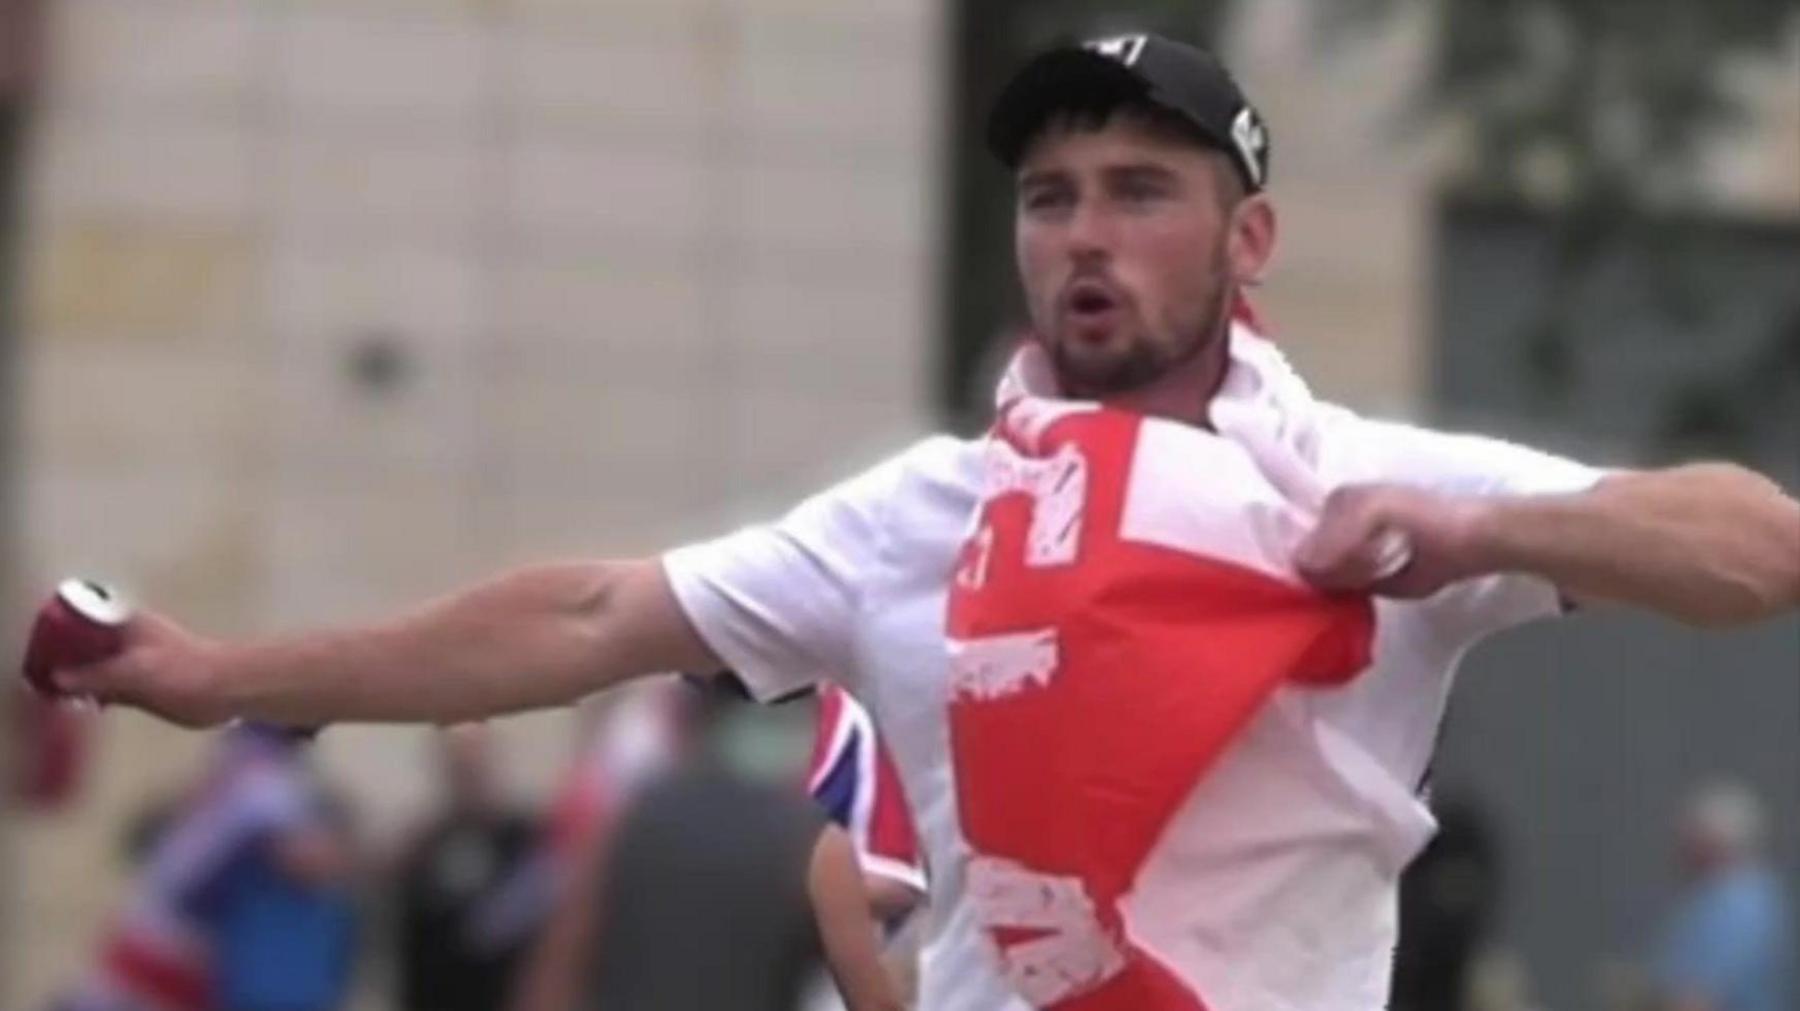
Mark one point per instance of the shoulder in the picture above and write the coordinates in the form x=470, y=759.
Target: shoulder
x=941, y=458
x=929, y=485
x=938, y=465
x=1357, y=449
x=939, y=473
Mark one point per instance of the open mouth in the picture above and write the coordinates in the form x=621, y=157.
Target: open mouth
x=1090, y=300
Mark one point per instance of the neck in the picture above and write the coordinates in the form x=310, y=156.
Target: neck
x=1184, y=392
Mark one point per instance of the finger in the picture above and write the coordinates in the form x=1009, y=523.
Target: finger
x=1340, y=579
x=1359, y=566
x=1343, y=525
x=1348, y=573
x=94, y=680
x=1393, y=554
x=1327, y=549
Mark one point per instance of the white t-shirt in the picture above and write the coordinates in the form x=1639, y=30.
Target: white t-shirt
x=1274, y=887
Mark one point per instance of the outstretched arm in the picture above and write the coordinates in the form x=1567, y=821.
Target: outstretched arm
x=534, y=637
x=1710, y=544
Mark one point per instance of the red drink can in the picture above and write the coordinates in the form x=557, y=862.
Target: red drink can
x=82, y=623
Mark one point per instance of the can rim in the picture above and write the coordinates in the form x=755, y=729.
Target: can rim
x=94, y=601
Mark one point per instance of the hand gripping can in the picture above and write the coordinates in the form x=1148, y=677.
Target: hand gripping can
x=83, y=622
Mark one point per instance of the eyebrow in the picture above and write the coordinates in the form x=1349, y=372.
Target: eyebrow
x=1140, y=170
x=1126, y=170
x=1042, y=177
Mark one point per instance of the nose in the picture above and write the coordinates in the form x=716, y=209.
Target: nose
x=1090, y=233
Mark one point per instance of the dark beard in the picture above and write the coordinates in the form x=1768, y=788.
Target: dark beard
x=1144, y=363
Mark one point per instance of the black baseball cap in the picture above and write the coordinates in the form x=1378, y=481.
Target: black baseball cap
x=1099, y=74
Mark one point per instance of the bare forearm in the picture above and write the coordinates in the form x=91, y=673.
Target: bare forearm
x=1710, y=544
x=846, y=928
x=535, y=637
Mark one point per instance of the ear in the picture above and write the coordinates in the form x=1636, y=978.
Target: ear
x=1250, y=242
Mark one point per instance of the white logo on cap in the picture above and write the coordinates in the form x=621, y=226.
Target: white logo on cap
x=1124, y=48
x=1252, y=142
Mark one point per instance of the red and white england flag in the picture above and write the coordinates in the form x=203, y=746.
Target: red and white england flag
x=1122, y=608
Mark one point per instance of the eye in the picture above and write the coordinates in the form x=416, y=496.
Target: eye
x=1141, y=190
x=1045, y=198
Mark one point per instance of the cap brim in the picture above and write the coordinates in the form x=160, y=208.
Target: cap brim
x=1067, y=79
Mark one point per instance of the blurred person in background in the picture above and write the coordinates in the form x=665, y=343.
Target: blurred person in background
x=622, y=741
x=639, y=733
x=1142, y=218
x=1729, y=942
x=715, y=886
x=852, y=776
x=289, y=939
x=241, y=901
x=454, y=866
x=1497, y=981
x=1448, y=900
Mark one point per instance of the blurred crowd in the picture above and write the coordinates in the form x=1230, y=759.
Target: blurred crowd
x=1726, y=940
x=681, y=864
x=686, y=861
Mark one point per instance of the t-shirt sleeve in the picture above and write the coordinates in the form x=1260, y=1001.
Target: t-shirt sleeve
x=1459, y=464
x=777, y=603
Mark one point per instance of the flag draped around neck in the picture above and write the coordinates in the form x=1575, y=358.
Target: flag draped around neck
x=1122, y=609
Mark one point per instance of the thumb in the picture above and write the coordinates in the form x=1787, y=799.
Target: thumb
x=1331, y=543
x=1354, y=556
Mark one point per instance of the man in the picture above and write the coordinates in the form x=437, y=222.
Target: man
x=1141, y=214
x=1729, y=945
x=645, y=731
x=711, y=882
x=458, y=863
x=209, y=923
x=624, y=742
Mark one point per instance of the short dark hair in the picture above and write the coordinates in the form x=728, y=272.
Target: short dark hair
x=1094, y=112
